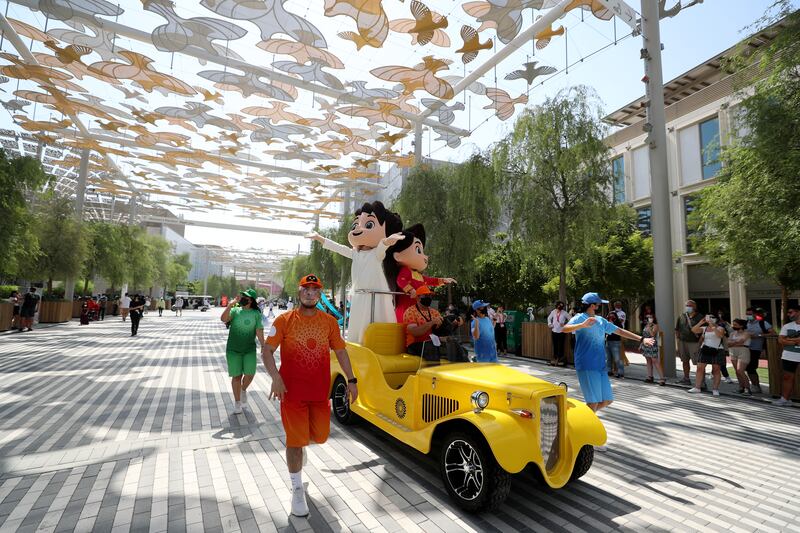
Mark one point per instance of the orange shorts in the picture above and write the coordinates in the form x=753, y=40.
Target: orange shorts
x=305, y=422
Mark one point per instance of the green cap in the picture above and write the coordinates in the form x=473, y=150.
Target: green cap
x=250, y=293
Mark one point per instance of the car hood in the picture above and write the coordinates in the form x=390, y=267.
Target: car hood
x=490, y=376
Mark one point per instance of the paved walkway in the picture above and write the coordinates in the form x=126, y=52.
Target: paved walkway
x=101, y=432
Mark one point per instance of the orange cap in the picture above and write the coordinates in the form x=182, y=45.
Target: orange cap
x=310, y=279
x=424, y=291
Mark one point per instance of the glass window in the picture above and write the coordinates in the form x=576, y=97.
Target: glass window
x=618, y=170
x=688, y=207
x=643, y=220
x=709, y=147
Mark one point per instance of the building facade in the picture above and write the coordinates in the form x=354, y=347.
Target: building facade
x=701, y=113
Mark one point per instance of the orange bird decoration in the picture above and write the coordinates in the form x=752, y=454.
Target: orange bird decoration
x=544, y=36
x=426, y=27
x=422, y=76
x=472, y=44
x=68, y=54
x=502, y=103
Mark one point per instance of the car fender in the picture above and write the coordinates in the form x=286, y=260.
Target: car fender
x=510, y=437
x=583, y=427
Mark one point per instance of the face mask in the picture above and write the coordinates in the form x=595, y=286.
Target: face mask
x=749, y=317
x=426, y=300
x=689, y=309
x=649, y=320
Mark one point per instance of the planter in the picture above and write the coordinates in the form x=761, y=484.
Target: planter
x=538, y=344
x=54, y=311
x=774, y=352
x=6, y=310
x=76, y=308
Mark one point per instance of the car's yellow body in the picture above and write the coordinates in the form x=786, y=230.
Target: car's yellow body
x=411, y=401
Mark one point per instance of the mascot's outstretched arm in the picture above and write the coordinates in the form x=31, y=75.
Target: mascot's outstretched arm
x=333, y=246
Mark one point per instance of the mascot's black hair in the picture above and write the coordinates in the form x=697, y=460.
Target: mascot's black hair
x=390, y=267
x=391, y=220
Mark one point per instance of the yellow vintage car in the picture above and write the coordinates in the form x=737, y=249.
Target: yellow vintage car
x=484, y=421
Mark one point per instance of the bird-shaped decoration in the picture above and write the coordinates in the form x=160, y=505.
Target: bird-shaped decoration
x=248, y=84
x=597, y=8
x=68, y=54
x=231, y=137
x=426, y=27
x=452, y=140
x=472, y=44
x=502, y=103
x=530, y=72
x=112, y=125
x=390, y=138
x=544, y=36
x=364, y=163
x=302, y=53
x=422, y=76
x=139, y=70
x=278, y=112
x=361, y=92
x=663, y=12
x=16, y=105
x=385, y=112
x=210, y=96
x=443, y=113
x=311, y=73
x=131, y=94
x=326, y=168
x=505, y=16
x=42, y=125
x=371, y=21
x=269, y=133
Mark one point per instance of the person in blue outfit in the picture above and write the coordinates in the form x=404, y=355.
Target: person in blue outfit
x=590, y=331
x=482, y=329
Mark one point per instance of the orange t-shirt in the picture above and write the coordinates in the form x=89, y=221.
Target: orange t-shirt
x=306, y=343
x=415, y=317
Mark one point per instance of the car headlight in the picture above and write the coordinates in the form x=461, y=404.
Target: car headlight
x=479, y=400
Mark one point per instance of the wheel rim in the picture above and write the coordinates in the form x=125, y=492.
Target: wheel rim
x=340, y=405
x=463, y=469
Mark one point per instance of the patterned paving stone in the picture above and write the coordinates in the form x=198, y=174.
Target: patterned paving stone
x=103, y=432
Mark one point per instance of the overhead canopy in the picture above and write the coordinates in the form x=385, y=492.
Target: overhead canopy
x=265, y=108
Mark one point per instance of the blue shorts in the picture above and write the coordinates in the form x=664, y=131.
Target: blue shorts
x=595, y=386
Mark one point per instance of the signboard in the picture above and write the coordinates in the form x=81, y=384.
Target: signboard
x=623, y=11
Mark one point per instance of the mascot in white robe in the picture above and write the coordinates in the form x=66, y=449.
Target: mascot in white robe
x=374, y=229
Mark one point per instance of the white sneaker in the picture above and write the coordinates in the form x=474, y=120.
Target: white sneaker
x=299, y=505
x=237, y=408
x=694, y=390
x=715, y=392
x=728, y=380
x=782, y=402
x=243, y=397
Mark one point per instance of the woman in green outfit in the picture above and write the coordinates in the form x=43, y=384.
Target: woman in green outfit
x=245, y=327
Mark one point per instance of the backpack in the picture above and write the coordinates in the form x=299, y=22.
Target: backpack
x=763, y=326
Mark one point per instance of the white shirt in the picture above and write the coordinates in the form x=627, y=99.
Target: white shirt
x=792, y=352
x=711, y=339
x=289, y=305
x=557, y=319
x=125, y=301
x=179, y=303
x=621, y=315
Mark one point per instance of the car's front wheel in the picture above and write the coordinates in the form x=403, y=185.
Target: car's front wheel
x=471, y=474
x=340, y=404
x=583, y=462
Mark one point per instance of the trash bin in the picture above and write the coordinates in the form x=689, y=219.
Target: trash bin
x=514, y=321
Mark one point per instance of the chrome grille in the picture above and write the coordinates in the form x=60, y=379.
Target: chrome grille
x=549, y=422
x=436, y=407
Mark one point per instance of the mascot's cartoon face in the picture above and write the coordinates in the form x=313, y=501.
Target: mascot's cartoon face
x=366, y=231
x=413, y=257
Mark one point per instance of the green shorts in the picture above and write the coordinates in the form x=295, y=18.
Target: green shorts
x=241, y=363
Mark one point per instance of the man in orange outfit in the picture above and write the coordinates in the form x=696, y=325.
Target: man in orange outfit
x=306, y=336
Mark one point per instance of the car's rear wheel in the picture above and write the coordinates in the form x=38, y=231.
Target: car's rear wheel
x=471, y=474
x=583, y=462
x=340, y=406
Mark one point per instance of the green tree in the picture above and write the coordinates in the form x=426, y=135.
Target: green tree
x=458, y=206
x=178, y=271
x=555, y=172
x=323, y=262
x=748, y=221
x=507, y=273
x=292, y=269
x=19, y=177
x=61, y=238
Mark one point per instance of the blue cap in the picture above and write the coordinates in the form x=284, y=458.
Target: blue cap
x=593, y=298
x=477, y=304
